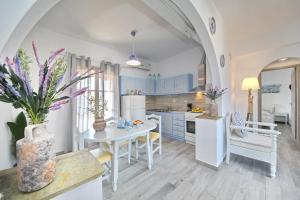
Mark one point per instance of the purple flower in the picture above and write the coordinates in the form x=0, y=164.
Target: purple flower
x=58, y=104
x=9, y=63
x=27, y=83
x=2, y=76
x=35, y=54
x=54, y=107
x=18, y=69
x=46, y=81
x=42, y=67
x=79, y=92
x=52, y=57
x=12, y=90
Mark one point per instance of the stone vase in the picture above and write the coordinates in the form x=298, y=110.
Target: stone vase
x=99, y=124
x=213, y=109
x=35, y=158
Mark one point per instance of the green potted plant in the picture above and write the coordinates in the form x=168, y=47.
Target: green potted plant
x=35, y=152
x=17, y=129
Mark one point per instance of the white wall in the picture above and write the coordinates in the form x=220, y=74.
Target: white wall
x=58, y=121
x=281, y=101
x=182, y=63
x=199, y=12
x=251, y=65
x=8, y=26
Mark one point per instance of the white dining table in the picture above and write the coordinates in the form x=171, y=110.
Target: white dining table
x=116, y=136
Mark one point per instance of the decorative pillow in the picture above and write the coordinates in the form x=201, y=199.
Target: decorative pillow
x=239, y=120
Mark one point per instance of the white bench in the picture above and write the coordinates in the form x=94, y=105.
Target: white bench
x=259, y=144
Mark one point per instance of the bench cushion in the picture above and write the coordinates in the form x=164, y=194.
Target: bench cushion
x=253, y=141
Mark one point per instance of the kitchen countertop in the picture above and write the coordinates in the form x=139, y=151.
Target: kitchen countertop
x=72, y=170
x=166, y=111
x=208, y=117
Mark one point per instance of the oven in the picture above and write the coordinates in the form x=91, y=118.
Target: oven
x=190, y=127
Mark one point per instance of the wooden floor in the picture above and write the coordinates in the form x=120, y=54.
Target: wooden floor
x=176, y=175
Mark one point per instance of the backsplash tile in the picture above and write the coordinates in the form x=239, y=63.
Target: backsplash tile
x=175, y=102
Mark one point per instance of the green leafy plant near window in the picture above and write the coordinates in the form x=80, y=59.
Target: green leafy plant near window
x=17, y=129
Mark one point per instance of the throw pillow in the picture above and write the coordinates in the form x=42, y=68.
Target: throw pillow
x=239, y=120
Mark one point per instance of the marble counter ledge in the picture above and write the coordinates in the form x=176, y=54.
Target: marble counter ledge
x=72, y=170
x=209, y=117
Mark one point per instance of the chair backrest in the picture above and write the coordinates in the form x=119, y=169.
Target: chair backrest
x=157, y=120
x=111, y=120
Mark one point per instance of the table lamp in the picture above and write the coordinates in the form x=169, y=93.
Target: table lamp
x=250, y=83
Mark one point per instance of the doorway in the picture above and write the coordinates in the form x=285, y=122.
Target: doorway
x=278, y=98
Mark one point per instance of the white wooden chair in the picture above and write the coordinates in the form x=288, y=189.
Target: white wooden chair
x=155, y=138
x=259, y=144
x=104, y=156
x=125, y=146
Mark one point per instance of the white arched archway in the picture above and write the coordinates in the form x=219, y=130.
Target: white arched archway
x=251, y=65
x=197, y=11
x=199, y=20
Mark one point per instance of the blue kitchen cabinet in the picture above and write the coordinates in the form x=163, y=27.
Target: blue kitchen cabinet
x=178, y=125
x=169, y=86
x=150, y=87
x=173, y=124
x=128, y=84
x=166, y=123
x=164, y=86
x=174, y=85
x=183, y=83
x=159, y=87
x=140, y=85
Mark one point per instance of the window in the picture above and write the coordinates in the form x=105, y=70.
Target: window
x=103, y=87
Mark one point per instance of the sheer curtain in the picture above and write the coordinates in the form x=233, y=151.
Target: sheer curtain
x=79, y=113
x=109, y=89
x=104, y=85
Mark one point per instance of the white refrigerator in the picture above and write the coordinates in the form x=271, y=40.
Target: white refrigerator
x=133, y=107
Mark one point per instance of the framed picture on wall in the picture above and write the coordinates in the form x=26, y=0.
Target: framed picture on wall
x=274, y=88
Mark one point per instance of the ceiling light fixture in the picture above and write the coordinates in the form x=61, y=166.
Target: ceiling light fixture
x=283, y=59
x=133, y=59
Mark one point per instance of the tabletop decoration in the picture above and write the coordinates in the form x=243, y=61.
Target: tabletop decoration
x=35, y=152
x=97, y=108
x=213, y=93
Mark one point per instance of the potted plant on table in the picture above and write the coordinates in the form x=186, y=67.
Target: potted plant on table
x=213, y=93
x=35, y=152
x=97, y=108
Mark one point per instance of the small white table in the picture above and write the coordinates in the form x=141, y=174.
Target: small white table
x=116, y=136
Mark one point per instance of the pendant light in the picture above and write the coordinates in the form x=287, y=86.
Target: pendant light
x=133, y=59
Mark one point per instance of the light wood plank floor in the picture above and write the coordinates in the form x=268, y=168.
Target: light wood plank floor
x=176, y=175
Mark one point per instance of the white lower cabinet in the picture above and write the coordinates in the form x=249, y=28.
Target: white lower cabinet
x=210, y=141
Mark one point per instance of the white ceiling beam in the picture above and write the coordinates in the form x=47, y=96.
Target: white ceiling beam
x=174, y=16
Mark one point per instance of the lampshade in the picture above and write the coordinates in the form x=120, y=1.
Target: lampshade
x=133, y=60
x=250, y=83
